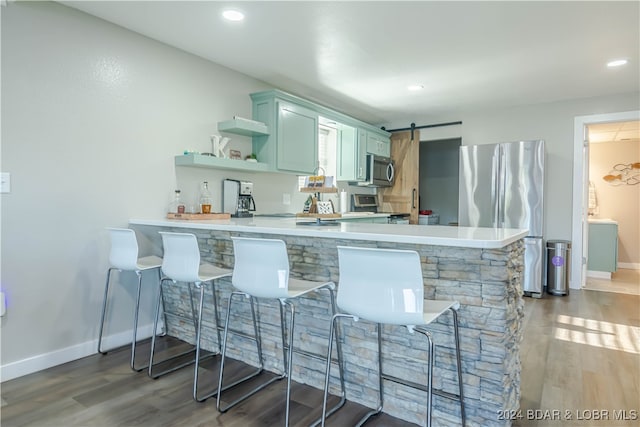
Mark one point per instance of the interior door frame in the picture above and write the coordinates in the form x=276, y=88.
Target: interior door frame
x=580, y=188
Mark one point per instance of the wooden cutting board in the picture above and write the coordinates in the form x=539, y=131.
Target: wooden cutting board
x=317, y=215
x=198, y=216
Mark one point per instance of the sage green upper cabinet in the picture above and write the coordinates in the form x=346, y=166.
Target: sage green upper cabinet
x=292, y=142
x=297, y=139
x=378, y=144
x=352, y=154
x=293, y=147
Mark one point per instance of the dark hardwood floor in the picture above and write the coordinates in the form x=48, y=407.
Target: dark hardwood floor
x=580, y=354
x=103, y=391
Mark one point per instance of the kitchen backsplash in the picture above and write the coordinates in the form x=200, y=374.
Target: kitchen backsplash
x=269, y=191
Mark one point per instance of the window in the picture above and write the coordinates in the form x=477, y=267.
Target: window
x=327, y=146
x=327, y=150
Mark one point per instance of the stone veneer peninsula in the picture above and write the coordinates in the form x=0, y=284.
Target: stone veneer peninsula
x=479, y=267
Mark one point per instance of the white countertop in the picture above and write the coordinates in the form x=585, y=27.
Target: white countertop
x=441, y=235
x=358, y=215
x=602, y=221
x=345, y=215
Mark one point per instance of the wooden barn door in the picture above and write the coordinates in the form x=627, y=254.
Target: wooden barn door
x=403, y=196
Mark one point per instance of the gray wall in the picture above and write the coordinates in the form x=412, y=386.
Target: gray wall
x=92, y=116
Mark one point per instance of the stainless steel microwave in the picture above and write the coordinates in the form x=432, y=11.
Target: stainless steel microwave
x=380, y=171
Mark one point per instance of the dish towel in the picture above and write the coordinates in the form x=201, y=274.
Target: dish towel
x=593, y=202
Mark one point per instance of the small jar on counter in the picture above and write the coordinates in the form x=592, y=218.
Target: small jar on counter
x=176, y=205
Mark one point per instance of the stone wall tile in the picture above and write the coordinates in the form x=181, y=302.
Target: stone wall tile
x=487, y=283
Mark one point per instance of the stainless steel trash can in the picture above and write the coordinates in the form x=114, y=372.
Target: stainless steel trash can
x=558, y=259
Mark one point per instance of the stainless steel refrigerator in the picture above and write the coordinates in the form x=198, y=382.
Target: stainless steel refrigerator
x=501, y=185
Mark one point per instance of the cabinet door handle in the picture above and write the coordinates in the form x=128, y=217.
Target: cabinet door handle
x=413, y=199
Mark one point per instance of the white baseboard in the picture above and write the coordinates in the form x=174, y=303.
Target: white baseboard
x=599, y=274
x=629, y=265
x=47, y=360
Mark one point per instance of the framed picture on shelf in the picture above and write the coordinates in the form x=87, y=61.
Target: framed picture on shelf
x=235, y=154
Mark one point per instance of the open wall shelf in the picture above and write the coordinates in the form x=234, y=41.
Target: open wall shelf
x=243, y=127
x=201, y=161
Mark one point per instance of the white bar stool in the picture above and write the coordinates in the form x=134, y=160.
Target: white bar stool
x=124, y=257
x=385, y=286
x=261, y=270
x=181, y=263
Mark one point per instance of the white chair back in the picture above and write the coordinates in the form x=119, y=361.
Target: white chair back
x=381, y=285
x=124, y=249
x=261, y=267
x=181, y=260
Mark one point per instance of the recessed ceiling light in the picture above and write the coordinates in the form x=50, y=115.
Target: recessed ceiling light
x=415, y=87
x=233, y=15
x=617, y=63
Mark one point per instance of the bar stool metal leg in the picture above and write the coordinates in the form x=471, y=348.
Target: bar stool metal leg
x=343, y=395
x=378, y=409
x=136, y=312
x=155, y=326
x=198, y=341
x=224, y=352
x=104, y=311
x=164, y=311
x=333, y=331
x=457, y=397
x=289, y=365
x=463, y=416
x=153, y=339
x=380, y=381
x=430, y=364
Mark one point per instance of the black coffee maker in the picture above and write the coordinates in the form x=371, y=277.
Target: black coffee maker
x=237, y=198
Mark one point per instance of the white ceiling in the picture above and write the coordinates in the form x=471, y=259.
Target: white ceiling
x=615, y=132
x=359, y=57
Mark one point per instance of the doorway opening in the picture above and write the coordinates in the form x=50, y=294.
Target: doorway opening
x=580, y=215
x=439, y=179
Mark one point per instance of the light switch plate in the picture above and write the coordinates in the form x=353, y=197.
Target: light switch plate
x=286, y=198
x=5, y=182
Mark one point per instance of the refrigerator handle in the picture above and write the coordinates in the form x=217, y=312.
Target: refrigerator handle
x=501, y=187
x=495, y=187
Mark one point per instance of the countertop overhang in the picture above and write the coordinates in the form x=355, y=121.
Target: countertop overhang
x=439, y=235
